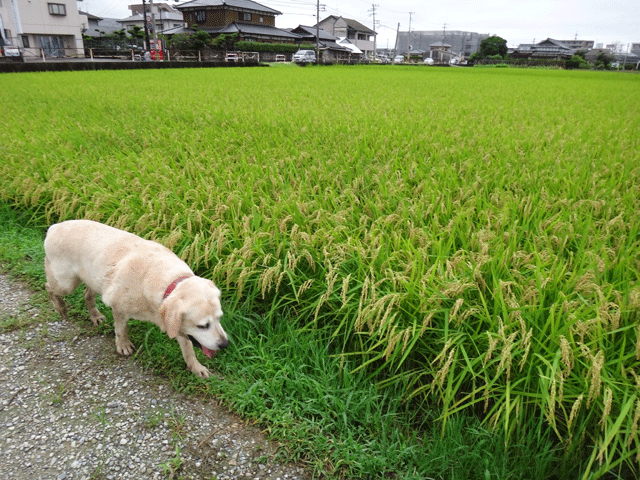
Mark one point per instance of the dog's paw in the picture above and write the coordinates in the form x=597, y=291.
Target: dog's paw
x=124, y=347
x=200, y=370
x=98, y=318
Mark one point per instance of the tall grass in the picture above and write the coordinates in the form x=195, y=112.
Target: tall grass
x=470, y=236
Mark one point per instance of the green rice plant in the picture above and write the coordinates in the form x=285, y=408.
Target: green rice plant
x=469, y=236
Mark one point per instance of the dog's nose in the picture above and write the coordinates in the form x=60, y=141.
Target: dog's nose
x=223, y=344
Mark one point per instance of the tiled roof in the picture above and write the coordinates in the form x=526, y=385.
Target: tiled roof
x=311, y=31
x=244, y=4
x=252, y=29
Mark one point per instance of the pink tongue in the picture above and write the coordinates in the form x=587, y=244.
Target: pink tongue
x=208, y=353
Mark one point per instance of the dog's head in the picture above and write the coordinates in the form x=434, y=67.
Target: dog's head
x=193, y=310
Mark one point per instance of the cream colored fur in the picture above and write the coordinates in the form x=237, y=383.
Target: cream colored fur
x=131, y=275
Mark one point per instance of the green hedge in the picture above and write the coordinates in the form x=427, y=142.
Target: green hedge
x=245, y=46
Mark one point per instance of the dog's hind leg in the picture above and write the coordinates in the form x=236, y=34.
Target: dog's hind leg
x=56, y=290
x=59, y=304
x=123, y=344
x=90, y=302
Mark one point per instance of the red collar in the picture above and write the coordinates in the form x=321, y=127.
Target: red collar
x=172, y=287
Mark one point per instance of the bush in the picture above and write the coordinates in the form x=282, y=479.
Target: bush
x=245, y=46
x=577, y=61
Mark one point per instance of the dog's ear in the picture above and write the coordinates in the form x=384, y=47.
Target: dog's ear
x=172, y=313
x=213, y=285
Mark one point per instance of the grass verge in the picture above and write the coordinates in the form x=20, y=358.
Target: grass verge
x=294, y=384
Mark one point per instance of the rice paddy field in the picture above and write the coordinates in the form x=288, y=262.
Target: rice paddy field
x=466, y=240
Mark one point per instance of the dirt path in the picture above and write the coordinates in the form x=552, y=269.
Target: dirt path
x=71, y=408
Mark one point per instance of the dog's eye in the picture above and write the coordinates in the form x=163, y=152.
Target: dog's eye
x=205, y=326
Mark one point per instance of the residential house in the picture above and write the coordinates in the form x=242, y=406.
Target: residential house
x=98, y=26
x=442, y=54
x=618, y=58
x=42, y=28
x=166, y=17
x=576, y=45
x=250, y=20
x=331, y=50
x=461, y=42
x=359, y=35
x=548, y=49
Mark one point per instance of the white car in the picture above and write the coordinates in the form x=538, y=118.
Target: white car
x=398, y=59
x=428, y=61
x=304, y=56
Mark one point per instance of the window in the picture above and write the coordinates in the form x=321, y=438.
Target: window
x=25, y=41
x=246, y=17
x=201, y=16
x=57, y=9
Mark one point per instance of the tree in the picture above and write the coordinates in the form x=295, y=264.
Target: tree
x=225, y=41
x=581, y=53
x=200, y=40
x=577, y=61
x=603, y=60
x=136, y=32
x=494, y=45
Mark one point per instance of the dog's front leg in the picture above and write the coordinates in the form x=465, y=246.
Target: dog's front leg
x=123, y=344
x=190, y=357
x=90, y=301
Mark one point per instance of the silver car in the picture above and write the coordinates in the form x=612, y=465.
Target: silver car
x=304, y=56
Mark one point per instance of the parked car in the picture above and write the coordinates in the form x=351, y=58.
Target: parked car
x=9, y=53
x=281, y=58
x=231, y=57
x=428, y=61
x=304, y=56
x=398, y=59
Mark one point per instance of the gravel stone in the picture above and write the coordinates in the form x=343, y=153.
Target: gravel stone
x=72, y=408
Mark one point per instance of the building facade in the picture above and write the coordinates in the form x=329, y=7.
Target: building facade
x=358, y=34
x=585, y=45
x=250, y=20
x=546, y=49
x=462, y=43
x=41, y=28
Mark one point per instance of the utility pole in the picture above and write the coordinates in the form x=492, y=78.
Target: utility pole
x=395, y=47
x=154, y=28
x=409, y=38
x=373, y=13
x=147, y=45
x=318, y=28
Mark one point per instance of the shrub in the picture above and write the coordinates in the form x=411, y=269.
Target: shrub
x=577, y=61
x=245, y=46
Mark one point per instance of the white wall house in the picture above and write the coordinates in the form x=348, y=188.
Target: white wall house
x=166, y=17
x=52, y=28
x=357, y=34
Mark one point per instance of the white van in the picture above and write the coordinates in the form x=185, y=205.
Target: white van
x=304, y=56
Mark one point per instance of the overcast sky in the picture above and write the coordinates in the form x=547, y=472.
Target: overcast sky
x=517, y=21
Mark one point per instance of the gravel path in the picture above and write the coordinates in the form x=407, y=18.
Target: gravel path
x=71, y=408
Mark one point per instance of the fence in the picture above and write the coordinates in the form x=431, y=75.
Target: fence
x=129, y=54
